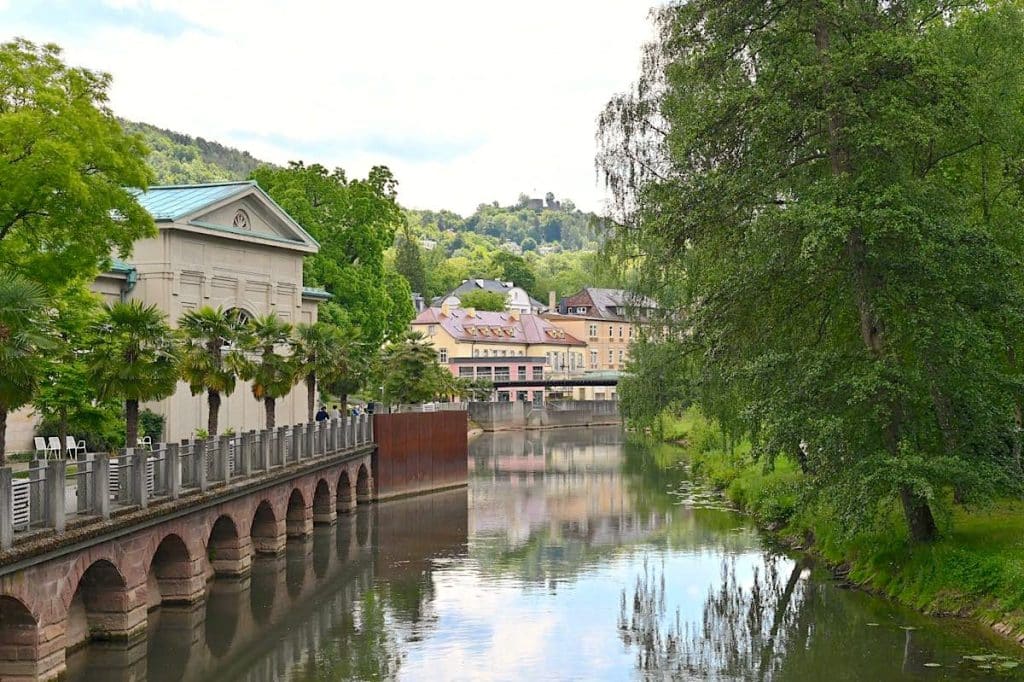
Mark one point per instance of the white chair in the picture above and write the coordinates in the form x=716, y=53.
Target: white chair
x=54, y=442
x=70, y=446
x=146, y=442
x=42, y=450
x=81, y=445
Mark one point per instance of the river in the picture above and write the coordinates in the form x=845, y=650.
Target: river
x=570, y=556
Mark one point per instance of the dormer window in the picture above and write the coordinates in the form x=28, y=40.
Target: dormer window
x=241, y=220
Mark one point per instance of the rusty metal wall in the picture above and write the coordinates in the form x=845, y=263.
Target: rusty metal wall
x=417, y=452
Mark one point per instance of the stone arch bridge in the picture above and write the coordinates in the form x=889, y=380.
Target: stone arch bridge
x=99, y=579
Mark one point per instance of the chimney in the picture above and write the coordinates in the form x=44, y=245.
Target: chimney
x=470, y=312
x=552, y=301
x=514, y=315
x=445, y=310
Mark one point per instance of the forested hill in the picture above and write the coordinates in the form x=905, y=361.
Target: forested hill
x=179, y=159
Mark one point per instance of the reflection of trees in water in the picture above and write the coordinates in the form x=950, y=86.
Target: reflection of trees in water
x=743, y=633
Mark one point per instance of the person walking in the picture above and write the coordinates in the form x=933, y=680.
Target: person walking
x=322, y=414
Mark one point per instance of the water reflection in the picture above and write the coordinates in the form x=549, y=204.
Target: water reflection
x=572, y=555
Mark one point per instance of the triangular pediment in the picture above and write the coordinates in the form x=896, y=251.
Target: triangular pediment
x=251, y=216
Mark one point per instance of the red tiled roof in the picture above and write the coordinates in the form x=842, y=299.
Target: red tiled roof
x=497, y=327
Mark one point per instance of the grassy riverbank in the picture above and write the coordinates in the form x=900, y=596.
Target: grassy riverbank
x=976, y=569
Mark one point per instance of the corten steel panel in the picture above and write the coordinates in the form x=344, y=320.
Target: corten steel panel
x=420, y=451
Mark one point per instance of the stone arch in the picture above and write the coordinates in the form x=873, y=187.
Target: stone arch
x=344, y=500
x=103, y=607
x=324, y=510
x=19, y=639
x=228, y=551
x=298, y=517
x=363, y=485
x=266, y=531
x=173, y=577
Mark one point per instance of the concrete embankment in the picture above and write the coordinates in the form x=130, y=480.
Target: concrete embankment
x=505, y=416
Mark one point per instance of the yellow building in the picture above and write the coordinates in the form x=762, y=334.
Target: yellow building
x=515, y=351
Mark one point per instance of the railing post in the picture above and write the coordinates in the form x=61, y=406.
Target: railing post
x=310, y=433
x=221, y=464
x=140, y=494
x=101, y=485
x=245, y=453
x=6, y=508
x=369, y=429
x=297, y=442
x=279, y=446
x=199, y=459
x=56, y=516
x=322, y=434
x=83, y=491
x=172, y=470
x=333, y=438
x=266, y=440
x=35, y=488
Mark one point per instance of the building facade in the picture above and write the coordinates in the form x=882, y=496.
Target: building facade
x=222, y=245
x=501, y=347
x=516, y=298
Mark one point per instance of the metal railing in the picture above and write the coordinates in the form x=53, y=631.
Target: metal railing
x=136, y=477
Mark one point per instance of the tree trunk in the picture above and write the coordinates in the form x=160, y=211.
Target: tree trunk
x=919, y=516
x=342, y=401
x=268, y=405
x=3, y=435
x=916, y=510
x=213, y=419
x=62, y=432
x=131, y=422
x=310, y=396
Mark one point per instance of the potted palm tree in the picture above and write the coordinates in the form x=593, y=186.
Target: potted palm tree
x=136, y=361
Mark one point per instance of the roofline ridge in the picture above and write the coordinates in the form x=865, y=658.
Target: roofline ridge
x=198, y=185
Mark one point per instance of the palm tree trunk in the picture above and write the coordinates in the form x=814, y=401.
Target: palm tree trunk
x=268, y=405
x=3, y=435
x=131, y=422
x=213, y=420
x=310, y=396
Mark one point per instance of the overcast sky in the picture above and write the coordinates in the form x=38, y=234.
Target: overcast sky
x=467, y=102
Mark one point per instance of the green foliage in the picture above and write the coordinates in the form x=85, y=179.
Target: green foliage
x=210, y=356
x=355, y=222
x=272, y=372
x=101, y=426
x=23, y=338
x=837, y=238
x=409, y=372
x=321, y=354
x=409, y=263
x=136, y=360
x=178, y=159
x=514, y=268
x=64, y=165
x=483, y=300
x=151, y=424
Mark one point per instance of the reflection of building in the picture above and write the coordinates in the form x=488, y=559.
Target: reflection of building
x=499, y=346
x=223, y=244
x=556, y=483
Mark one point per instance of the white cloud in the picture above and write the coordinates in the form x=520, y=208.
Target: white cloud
x=466, y=101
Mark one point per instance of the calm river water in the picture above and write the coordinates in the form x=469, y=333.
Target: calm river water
x=571, y=556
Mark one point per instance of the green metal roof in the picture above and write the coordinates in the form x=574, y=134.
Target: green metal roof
x=120, y=267
x=316, y=292
x=172, y=202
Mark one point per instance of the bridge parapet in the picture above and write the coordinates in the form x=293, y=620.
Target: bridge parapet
x=135, y=479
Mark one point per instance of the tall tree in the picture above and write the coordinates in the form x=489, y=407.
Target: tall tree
x=321, y=353
x=65, y=164
x=135, y=359
x=272, y=372
x=355, y=221
x=837, y=186
x=23, y=337
x=211, y=358
x=515, y=269
x=483, y=300
x=409, y=263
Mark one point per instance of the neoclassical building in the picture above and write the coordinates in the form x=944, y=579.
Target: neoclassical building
x=222, y=244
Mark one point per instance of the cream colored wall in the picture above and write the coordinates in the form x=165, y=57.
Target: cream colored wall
x=181, y=271
x=602, y=342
